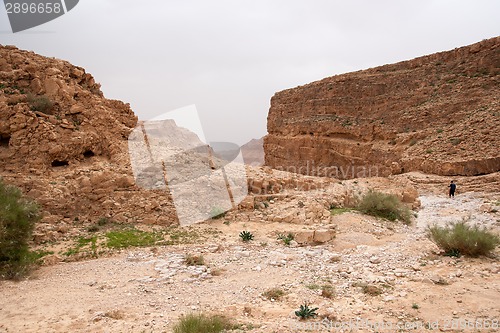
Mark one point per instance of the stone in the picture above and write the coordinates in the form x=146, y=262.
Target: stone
x=323, y=235
x=304, y=237
x=375, y=260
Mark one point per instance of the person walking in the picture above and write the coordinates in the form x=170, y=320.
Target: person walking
x=453, y=188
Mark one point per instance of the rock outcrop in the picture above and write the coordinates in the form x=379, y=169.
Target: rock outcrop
x=437, y=114
x=65, y=145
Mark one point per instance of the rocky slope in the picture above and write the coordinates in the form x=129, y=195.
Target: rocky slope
x=437, y=114
x=65, y=145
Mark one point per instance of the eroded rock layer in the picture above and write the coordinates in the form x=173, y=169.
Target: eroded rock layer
x=65, y=145
x=437, y=114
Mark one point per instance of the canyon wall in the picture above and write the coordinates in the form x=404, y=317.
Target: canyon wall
x=437, y=114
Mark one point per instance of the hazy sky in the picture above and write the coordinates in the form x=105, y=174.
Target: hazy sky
x=229, y=57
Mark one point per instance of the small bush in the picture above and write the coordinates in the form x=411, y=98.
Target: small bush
x=93, y=228
x=40, y=103
x=286, y=238
x=305, y=312
x=273, y=294
x=201, y=323
x=17, y=220
x=246, y=236
x=192, y=260
x=460, y=239
x=371, y=290
x=383, y=205
x=327, y=291
x=102, y=221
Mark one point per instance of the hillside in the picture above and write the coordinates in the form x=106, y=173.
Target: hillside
x=65, y=145
x=436, y=114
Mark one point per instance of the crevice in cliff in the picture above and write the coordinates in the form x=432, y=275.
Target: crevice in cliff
x=58, y=163
x=4, y=140
x=88, y=154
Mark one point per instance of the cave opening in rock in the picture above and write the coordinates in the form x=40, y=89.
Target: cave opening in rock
x=57, y=163
x=88, y=154
x=4, y=140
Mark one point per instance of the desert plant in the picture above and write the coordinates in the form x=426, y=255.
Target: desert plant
x=40, y=103
x=246, y=236
x=194, y=260
x=93, y=228
x=86, y=246
x=126, y=238
x=371, y=290
x=384, y=205
x=286, y=238
x=305, y=312
x=327, y=291
x=273, y=294
x=458, y=239
x=17, y=220
x=102, y=221
x=339, y=210
x=202, y=323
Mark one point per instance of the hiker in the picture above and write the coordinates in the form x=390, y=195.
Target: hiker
x=452, y=187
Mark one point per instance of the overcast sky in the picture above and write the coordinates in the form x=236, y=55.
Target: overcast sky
x=229, y=57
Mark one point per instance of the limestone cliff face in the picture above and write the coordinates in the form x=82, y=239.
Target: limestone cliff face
x=65, y=144
x=437, y=114
x=53, y=112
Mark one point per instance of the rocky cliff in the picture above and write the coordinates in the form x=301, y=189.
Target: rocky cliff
x=65, y=145
x=437, y=114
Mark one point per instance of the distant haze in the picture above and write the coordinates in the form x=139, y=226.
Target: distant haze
x=229, y=57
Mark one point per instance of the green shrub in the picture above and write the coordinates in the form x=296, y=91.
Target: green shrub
x=246, y=236
x=305, y=312
x=273, y=294
x=17, y=220
x=287, y=239
x=201, y=323
x=460, y=239
x=40, y=103
x=384, y=205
